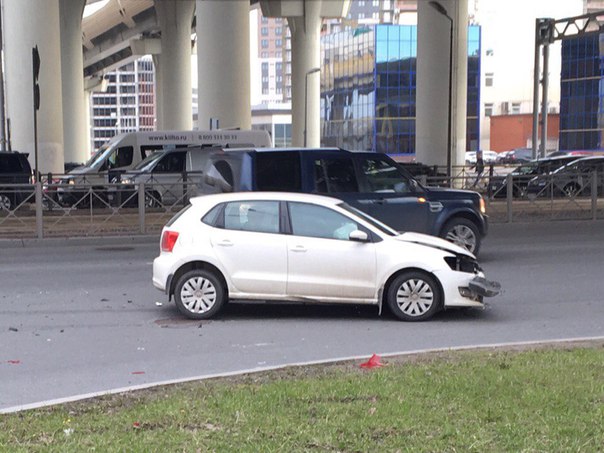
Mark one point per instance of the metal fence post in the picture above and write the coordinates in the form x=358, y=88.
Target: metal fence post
x=39, y=219
x=594, y=195
x=509, y=185
x=141, y=207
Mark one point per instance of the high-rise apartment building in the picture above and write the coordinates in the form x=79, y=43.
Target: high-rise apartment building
x=127, y=104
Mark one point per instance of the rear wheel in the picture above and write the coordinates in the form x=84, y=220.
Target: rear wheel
x=199, y=294
x=414, y=296
x=5, y=202
x=462, y=232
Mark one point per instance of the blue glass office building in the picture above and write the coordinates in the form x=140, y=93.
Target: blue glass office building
x=368, y=88
x=582, y=93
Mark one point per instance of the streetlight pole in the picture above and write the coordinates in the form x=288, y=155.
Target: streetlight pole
x=441, y=9
x=309, y=72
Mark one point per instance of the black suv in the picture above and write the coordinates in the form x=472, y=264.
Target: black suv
x=14, y=169
x=371, y=182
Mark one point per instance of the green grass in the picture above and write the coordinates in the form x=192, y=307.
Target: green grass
x=531, y=401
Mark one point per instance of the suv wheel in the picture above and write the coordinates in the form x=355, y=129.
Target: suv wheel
x=5, y=203
x=462, y=232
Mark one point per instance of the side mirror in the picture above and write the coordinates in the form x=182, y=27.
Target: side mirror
x=358, y=236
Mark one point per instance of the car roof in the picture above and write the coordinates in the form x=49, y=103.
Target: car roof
x=214, y=199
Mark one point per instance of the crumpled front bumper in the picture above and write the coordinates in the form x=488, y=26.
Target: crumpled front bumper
x=484, y=287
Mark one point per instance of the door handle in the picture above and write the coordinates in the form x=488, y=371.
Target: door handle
x=298, y=248
x=225, y=243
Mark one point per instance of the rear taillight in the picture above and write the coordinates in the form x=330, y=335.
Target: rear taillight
x=168, y=239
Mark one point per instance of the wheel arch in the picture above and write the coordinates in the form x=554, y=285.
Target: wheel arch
x=196, y=265
x=468, y=215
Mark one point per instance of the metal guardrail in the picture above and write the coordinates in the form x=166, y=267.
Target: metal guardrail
x=54, y=209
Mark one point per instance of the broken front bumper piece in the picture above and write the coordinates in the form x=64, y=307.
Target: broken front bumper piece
x=484, y=287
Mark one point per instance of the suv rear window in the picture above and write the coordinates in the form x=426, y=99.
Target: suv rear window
x=10, y=164
x=278, y=171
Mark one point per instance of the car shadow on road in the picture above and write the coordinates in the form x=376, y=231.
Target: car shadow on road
x=248, y=311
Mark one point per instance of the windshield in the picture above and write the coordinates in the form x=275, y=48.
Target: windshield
x=97, y=155
x=149, y=161
x=370, y=220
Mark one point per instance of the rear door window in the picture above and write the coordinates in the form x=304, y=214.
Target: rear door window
x=278, y=171
x=171, y=163
x=335, y=175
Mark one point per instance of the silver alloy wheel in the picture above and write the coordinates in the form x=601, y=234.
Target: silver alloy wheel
x=5, y=203
x=198, y=295
x=463, y=236
x=414, y=297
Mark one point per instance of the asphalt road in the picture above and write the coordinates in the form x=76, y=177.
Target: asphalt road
x=84, y=318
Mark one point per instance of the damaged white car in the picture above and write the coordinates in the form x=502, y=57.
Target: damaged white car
x=273, y=246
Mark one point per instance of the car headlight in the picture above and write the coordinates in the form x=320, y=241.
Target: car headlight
x=127, y=181
x=71, y=182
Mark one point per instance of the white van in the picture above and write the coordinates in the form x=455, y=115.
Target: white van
x=125, y=151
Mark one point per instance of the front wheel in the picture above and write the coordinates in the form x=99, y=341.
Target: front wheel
x=414, y=296
x=199, y=294
x=462, y=232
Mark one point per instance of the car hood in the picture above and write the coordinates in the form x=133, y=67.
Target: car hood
x=432, y=241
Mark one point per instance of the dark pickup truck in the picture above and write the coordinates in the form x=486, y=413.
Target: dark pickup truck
x=371, y=182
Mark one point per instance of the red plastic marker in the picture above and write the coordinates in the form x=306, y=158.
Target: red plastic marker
x=374, y=362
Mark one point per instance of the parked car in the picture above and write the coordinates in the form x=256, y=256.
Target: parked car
x=14, y=169
x=522, y=175
x=488, y=157
x=417, y=169
x=371, y=182
x=571, y=180
x=308, y=248
x=516, y=155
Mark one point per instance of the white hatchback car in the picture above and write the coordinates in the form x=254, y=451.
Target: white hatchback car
x=275, y=246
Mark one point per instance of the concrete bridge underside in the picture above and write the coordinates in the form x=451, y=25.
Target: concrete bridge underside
x=75, y=53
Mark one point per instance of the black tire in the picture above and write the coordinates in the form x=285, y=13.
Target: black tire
x=414, y=296
x=152, y=200
x=6, y=203
x=571, y=190
x=199, y=294
x=462, y=232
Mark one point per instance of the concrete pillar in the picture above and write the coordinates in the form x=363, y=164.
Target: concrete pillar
x=223, y=63
x=306, y=84
x=433, y=82
x=175, y=20
x=28, y=23
x=76, y=147
x=159, y=118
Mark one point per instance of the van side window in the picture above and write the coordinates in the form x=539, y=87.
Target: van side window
x=147, y=150
x=382, y=176
x=335, y=176
x=278, y=171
